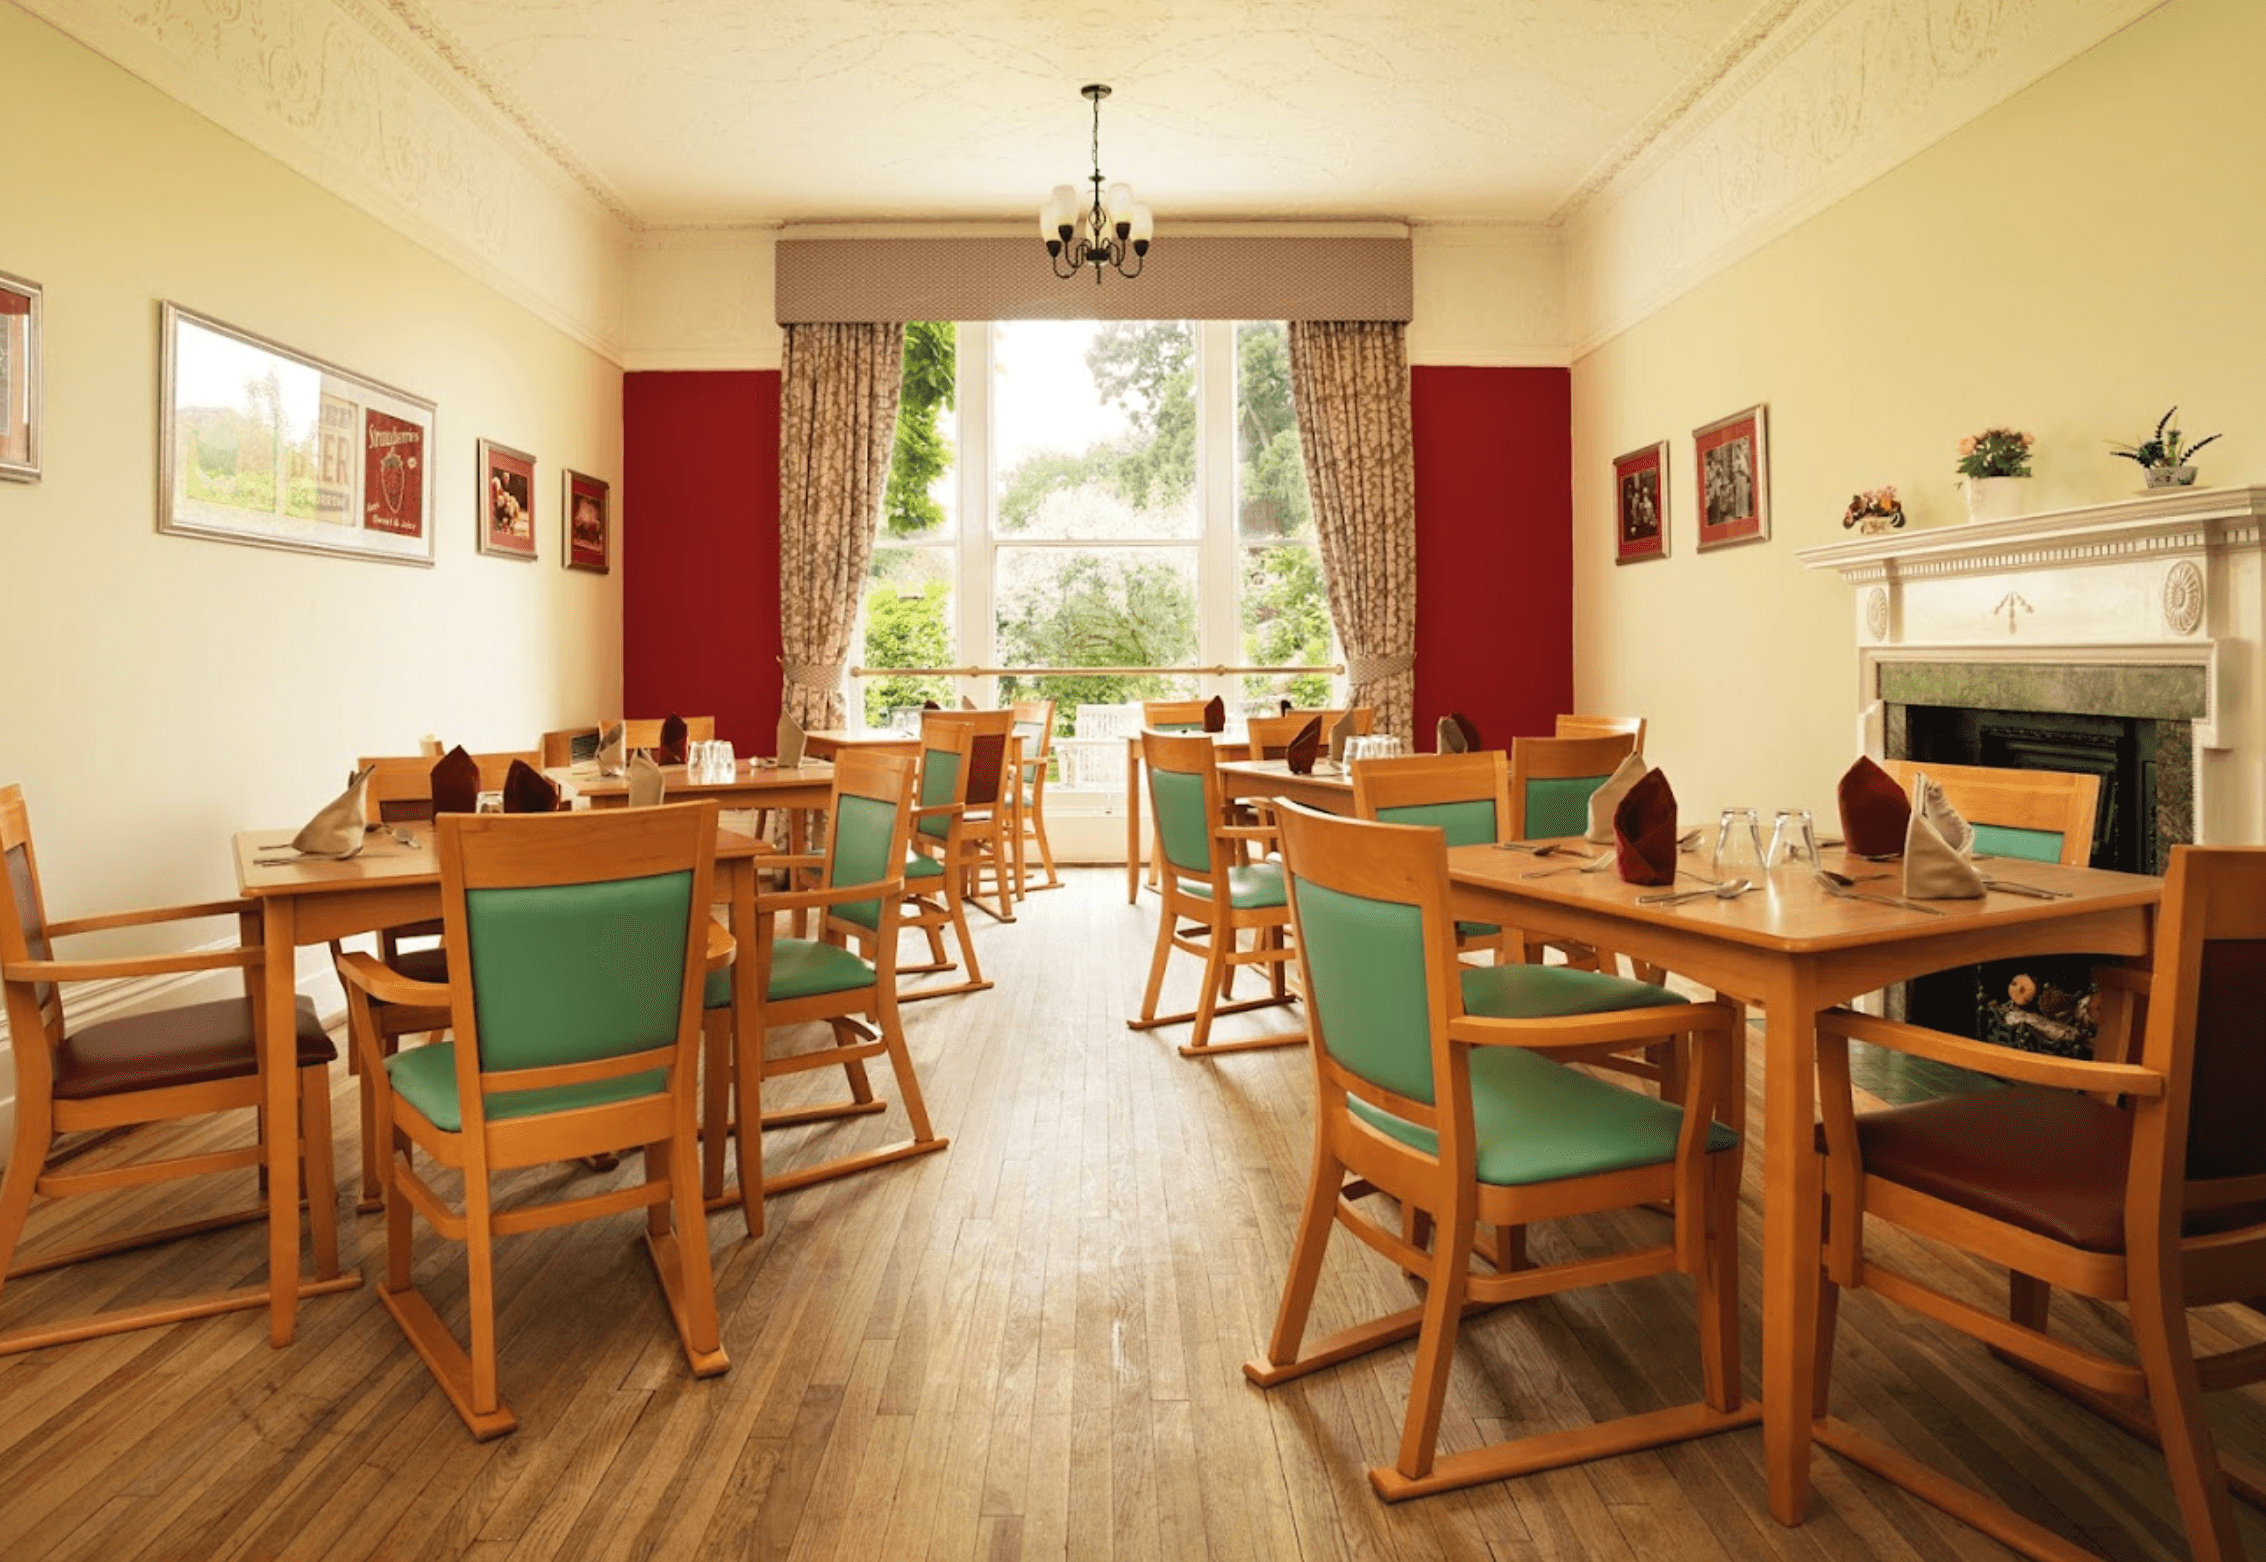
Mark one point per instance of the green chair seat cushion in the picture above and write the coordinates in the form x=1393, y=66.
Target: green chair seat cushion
x=716, y=992
x=425, y=1077
x=1477, y=930
x=1248, y=889
x=804, y=967
x=1535, y=992
x=919, y=866
x=1539, y=1121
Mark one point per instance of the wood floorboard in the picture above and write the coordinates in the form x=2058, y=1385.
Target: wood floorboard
x=1028, y=1346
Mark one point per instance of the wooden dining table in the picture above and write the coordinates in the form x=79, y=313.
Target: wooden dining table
x=1795, y=950
x=1328, y=787
x=830, y=741
x=799, y=790
x=393, y=883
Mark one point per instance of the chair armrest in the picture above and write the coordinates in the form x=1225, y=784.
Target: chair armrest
x=796, y=860
x=1247, y=832
x=210, y=908
x=936, y=810
x=2031, y=1068
x=722, y=950
x=839, y=895
x=1582, y=1032
x=387, y=985
x=135, y=965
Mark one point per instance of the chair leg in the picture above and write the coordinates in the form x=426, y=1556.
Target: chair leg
x=676, y=1240
x=1046, y=850
x=715, y=1098
x=480, y=1302
x=1165, y=920
x=1436, y=1344
x=34, y=1133
x=2028, y=1300
x=318, y=1170
x=1315, y=1222
x=1718, y=1283
x=2175, y=1396
x=1215, y=977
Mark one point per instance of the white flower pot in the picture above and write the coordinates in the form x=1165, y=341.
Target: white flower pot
x=2170, y=476
x=1993, y=498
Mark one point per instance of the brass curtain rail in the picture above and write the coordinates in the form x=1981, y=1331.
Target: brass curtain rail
x=1215, y=671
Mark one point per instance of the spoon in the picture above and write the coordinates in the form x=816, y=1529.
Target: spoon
x=1731, y=889
x=1591, y=866
x=1838, y=884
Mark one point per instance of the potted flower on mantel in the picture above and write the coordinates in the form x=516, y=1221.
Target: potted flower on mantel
x=1993, y=462
x=2163, y=455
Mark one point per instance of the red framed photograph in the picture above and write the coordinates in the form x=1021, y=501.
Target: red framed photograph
x=1640, y=504
x=587, y=521
x=1732, y=463
x=507, y=501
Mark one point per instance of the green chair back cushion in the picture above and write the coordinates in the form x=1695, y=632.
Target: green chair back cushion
x=862, y=827
x=1176, y=726
x=1560, y=805
x=567, y=973
x=425, y=1077
x=1999, y=840
x=940, y=783
x=1370, y=1005
x=1465, y=822
x=1178, y=800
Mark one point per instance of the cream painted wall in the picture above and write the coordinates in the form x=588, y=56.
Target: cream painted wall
x=164, y=692
x=2072, y=263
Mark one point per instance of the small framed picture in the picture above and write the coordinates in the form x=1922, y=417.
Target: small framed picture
x=507, y=501
x=19, y=379
x=1640, y=489
x=587, y=519
x=1732, y=459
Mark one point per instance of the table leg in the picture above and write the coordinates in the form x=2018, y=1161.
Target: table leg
x=747, y=1022
x=1791, y=1210
x=1132, y=821
x=279, y=1078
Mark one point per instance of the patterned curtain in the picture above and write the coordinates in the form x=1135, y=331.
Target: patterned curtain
x=837, y=419
x=1349, y=379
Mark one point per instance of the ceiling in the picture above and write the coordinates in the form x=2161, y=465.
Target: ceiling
x=686, y=113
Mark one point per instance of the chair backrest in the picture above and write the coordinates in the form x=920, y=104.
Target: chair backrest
x=2039, y=815
x=988, y=731
x=944, y=774
x=1376, y=945
x=1185, y=801
x=871, y=823
x=569, y=746
x=1034, y=724
x=1601, y=727
x=34, y=1009
x=645, y=732
x=401, y=785
x=1173, y=715
x=1467, y=797
x=583, y=940
x=1271, y=735
x=1552, y=778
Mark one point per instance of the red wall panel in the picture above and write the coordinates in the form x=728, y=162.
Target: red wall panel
x=1494, y=549
x=700, y=550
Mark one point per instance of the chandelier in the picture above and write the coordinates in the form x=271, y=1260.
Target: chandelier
x=1113, y=231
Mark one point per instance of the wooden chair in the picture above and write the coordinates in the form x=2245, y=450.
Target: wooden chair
x=935, y=873
x=1034, y=724
x=2038, y=815
x=1468, y=1119
x=987, y=820
x=1551, y=783
x=1210, y=900
x=576, y=1007
x=569, y=746
x=401, y=786
x=645, y=732
x=1173, y=715
x=2159, y=1202
x=189, y=1061
x=1601, y=727
x=1271, y=735
x=859, y=890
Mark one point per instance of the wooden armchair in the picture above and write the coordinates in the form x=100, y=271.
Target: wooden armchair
x=577, y=1020
x=1467, y=1119
x=569, y=746
x=2038, y=815
x=1601, y=727
x=1271, y=735
x=936, y=871
x=2158, y=1202
x=988, y=814
x=1034, y=724
x=193, y=1060
x=1173, y=715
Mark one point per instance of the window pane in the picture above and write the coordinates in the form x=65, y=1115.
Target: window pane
x=923, y=494
x=909, y=622
x=1270, y=472
x=1283, y=613
x=1096, y=607
x=1094, y=424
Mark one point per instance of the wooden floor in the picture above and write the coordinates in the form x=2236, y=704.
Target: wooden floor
x=1025, y=1347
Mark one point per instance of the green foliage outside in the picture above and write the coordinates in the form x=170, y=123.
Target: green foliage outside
x=1286, y=620
x=1103, y=611
x=922, y=452
x=906, y=631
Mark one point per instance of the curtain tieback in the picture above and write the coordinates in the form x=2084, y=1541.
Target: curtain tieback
x=824, y=677
x=1363, y=667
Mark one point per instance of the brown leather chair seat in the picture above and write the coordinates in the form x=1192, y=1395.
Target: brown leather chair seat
x=192, y=1045
x=2048, y=1161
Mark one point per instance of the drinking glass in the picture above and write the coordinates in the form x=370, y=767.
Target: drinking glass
x=1793, y=840
x=728, y=763
x=1738, y=845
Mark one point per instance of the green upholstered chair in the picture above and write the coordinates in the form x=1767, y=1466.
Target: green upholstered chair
x=853, y=991
x=1600, y=727
x=943, y=852
x=985, y=825
x=1271, y=735
x=1172, y=715
x=1034, y=724
x=578, y=943
x=2141, y=1183
x=1469, y=1118
x=2037, y=815
x=1552, y=779
x=1209, y=899
x=1467, y=797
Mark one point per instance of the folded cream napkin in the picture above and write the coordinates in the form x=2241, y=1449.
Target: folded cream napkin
x=612, y=754
x=336, y=830
x=1304, y=747
x=1934, y=869
x=968, y=703
x=1644, y=831
x=456, y=783
x=1929, y=802
x=1340, y=731
x=644, y=781
x=1451, y=740
x=791, y=741
x=1608, y=797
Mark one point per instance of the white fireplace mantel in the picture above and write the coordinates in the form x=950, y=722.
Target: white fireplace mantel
x=2174, y=578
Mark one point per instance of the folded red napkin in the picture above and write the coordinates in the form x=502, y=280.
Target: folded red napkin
x=1287, y=708
x=529, y=791
x=1874, y=811
x=1644, y=831
x=456, y=783
x=1304, y=748
x=1215, y=714
x=671, y=749
x=930, y=705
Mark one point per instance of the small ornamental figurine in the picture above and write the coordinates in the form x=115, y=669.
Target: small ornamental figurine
x=1874, y=511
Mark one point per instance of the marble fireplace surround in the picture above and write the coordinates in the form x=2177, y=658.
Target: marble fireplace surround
x=2152, y=607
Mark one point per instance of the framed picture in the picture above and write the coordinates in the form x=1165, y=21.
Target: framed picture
x=259, y=444
x=1640, y=504
x=584, y=507
x=19, y=379
x=507, y=501
x=1732, y=460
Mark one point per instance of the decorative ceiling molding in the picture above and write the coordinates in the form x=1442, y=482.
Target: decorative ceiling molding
x=334, y=91
x=1844, y=92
